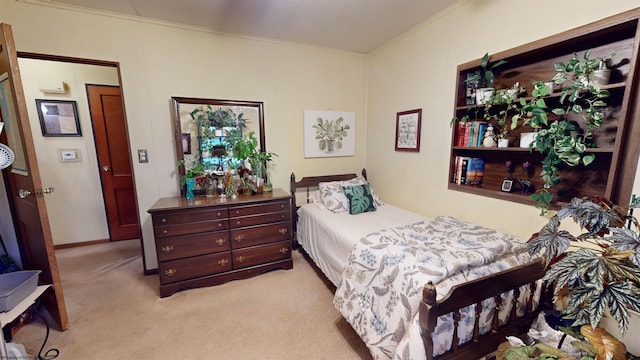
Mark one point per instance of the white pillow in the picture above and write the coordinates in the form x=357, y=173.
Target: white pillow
x=314, y=197
x=333, y=197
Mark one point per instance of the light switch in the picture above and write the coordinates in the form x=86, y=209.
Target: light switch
x=142, y=156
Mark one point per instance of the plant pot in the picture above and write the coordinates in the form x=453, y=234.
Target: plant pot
x=609, y=324
x=527, y=138
x=600, y=77
x=503, y=143
x=190, y=185
x=483, y=95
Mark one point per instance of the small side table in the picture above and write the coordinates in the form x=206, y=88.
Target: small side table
x=11, y=315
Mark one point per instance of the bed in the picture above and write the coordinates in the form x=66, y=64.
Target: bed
x=401, y=308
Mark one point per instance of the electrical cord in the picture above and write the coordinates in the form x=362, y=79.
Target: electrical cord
x=51, y=353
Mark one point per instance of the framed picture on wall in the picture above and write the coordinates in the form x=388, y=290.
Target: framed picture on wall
x=329, y=133
x=58, y=117
x=408, y=130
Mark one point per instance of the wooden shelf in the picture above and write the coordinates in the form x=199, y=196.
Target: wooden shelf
x=612, y=174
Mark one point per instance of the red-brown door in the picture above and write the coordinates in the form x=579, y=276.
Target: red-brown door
x=114, y=161
x=24, y=185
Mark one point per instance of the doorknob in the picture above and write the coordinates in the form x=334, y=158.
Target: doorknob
x=22, y=193
x=106, y=168
x=48, y=190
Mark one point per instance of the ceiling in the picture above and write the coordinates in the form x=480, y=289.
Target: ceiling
x=351, y=25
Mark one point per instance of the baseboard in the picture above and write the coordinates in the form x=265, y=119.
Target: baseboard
x=78, y=244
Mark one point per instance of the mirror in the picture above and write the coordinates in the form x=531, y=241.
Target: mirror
x=204, y=126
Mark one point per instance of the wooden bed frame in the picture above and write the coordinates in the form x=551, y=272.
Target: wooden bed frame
x=461, y=296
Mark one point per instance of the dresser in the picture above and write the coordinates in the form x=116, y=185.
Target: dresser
x=208, y=241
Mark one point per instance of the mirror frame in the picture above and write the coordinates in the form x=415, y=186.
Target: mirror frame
x=177, y=101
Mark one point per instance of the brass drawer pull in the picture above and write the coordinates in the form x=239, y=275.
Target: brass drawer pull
x=282, y=216
x=238, y=222
x=284, y=250
x=281, y=206
x=219, y=225
x=240, y=258
x=223, y=262
x=170, y=272
x=283, y=231
x=219, y=214
x=165, y=232
x=220, y=241
x=167, y=249
x=239, y=238
x=163, y=220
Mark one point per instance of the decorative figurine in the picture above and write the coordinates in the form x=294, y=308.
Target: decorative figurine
x=489, y=139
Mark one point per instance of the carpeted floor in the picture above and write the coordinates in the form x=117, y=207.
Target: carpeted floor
x=115, y=312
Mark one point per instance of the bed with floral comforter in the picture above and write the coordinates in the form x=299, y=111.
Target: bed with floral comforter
x=381, y=286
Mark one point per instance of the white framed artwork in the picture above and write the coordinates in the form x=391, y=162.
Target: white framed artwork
x=329, y=133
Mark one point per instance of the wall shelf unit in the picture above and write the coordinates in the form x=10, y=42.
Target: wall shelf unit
x=615, y=144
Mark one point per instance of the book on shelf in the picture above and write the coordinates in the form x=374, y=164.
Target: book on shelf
x=468, y=171
x=475, y=171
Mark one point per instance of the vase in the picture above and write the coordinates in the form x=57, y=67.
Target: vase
x=211, y=188
x=190, y=185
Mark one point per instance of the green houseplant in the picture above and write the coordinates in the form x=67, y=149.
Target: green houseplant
x=483, y=79
x=597, y=269
x=565, y=131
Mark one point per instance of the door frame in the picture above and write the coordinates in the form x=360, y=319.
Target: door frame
x=76, y=60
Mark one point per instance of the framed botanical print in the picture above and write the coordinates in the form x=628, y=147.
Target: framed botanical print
x=408, y=130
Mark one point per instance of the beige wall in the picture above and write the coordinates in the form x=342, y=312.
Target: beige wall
x=418, y=69
x=77, y=198
x=158, y=61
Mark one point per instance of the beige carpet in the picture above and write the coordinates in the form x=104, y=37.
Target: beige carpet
x=115, y=312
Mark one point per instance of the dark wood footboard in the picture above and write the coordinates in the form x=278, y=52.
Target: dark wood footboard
x=474, y=292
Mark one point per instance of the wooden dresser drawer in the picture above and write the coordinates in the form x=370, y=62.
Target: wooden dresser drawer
x=196, y=239
x=262, y=234
x=176, y=247
x=191, y=228
x=274, y=206
x=259, y=219
x=185, y=217
x=261, y=254
x=176, y=270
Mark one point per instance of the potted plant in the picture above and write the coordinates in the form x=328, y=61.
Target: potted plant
x=596, y=270
x=244, y=149
x=560, y=138
x=507, y=103
x=483, y=79
x=191, y=174
x=602, y=74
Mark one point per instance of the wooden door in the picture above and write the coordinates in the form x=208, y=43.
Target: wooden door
x=114, y=161
x=24, y=185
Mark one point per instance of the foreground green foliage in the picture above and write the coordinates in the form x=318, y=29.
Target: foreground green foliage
x=604, y=269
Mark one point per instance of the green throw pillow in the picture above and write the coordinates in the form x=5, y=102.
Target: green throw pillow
x=360, y=199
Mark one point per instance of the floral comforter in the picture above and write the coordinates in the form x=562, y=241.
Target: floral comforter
x=381, y=286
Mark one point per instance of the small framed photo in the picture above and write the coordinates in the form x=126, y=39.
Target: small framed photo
x=408, y=130
x=186, y=143
x=58, y=117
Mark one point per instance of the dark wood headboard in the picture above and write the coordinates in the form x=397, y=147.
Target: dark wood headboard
x=309, y=182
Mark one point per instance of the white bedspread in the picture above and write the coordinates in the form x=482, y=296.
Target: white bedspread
x=328, y=237
x=382, y=282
